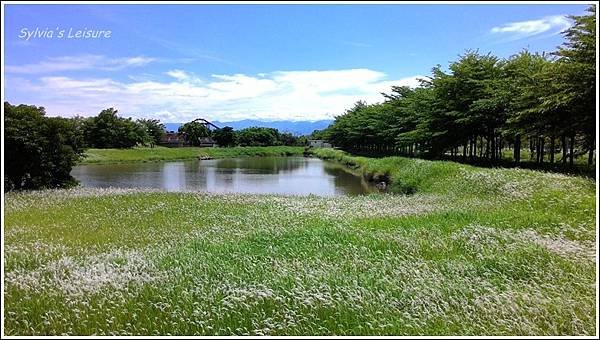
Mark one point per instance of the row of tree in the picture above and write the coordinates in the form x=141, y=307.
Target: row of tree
x=257, y=136
x=195, y=132
x=483, y=105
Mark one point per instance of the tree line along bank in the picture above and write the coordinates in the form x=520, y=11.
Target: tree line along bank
x=544, y=104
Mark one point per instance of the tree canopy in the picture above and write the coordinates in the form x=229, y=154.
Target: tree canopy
x=39, y=151
x=108, y=130
x=194, y=131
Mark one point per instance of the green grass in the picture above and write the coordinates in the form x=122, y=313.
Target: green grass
x=146, y=154
x=471, y=251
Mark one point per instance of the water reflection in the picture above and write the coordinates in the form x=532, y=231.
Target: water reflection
x=280, y=175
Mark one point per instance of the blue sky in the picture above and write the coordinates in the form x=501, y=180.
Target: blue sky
x=231, y=62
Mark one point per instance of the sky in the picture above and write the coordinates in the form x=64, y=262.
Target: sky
x=232, y=62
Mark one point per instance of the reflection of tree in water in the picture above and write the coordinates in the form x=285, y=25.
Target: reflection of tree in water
x=263, y=165
x=343, y=178
x=260, y=175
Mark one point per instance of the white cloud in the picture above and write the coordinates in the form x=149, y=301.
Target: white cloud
x=327, y=81
x=523, y=29
x=178, y=74
x=77, y=63
x=293, y=95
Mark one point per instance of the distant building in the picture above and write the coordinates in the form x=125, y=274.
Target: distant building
x=178, y=139
x=318, y=143
x=172, y=139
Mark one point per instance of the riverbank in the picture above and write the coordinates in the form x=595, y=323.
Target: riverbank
x=409, y=175
x=146, y=154
x=472, y=251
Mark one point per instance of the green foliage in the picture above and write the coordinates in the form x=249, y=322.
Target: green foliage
x=287, y=139
x=107, y=130
x=301, y=141
x=575, y=77
x=154, y=128
x=194, y=132
x=225, y=136
x=319, y=134
x=257, y=136
x=39, y=151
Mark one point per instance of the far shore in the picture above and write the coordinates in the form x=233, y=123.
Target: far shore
x=160, y=153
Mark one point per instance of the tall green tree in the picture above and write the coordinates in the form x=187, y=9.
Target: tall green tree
x=526, y=81
x=39, y=151
x=225, y=136
x=574, y=89
x=411, y=107
x=195, y=131
x=288, y=139
x=154, y=128
x=108, y=130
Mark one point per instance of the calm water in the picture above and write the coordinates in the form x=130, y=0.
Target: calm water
x=278, y=175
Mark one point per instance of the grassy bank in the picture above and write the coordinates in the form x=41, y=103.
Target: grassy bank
x=145, y=154
x=472, y=251
x=409, y=175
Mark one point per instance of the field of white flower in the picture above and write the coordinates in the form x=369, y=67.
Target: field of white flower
x=472, y=252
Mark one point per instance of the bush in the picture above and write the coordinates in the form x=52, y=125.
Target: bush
x=39, y=151
x=403, y=186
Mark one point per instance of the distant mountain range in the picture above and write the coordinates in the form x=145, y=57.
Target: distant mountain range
x=297, y=128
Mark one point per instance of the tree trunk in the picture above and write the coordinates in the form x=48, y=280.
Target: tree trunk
x=471, y=146
x=542, y=149
x=480, y=147
x=571, y=147
x=517, y=150
x=500, y=147
x=531, y=148
x=564, y=149
x=493, y=147
x=591, y=153
x=552, y=145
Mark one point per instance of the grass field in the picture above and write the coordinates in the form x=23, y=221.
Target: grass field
x=470, y=251
x=146, y=154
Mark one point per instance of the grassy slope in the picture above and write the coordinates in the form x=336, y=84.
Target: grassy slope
x=145, y=154
x=472, y=251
